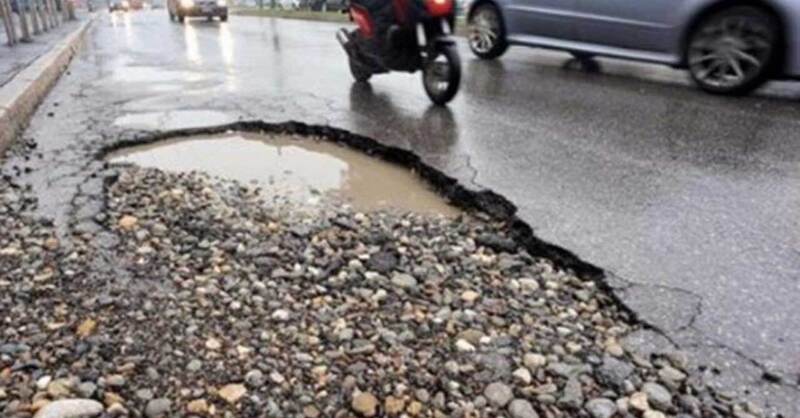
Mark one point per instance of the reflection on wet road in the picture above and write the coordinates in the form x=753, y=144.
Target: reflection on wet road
x=690, y=200
x=301, y=169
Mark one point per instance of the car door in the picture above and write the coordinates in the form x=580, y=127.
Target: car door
x=547, y=18
x=648, y=25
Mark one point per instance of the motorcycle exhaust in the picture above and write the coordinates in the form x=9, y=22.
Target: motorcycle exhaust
x=344, y=39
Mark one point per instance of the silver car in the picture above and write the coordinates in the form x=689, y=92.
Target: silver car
x=728, y=46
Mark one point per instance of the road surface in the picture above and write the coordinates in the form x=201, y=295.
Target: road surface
x=690, y=202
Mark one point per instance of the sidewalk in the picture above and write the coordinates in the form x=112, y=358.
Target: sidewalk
x=28, y=70
x=15, y=59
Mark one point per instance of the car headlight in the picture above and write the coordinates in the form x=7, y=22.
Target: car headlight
x=187, y=3
x=221, y=3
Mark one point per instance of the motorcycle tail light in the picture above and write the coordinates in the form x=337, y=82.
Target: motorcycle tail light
x=439, y=8
x=362, y=19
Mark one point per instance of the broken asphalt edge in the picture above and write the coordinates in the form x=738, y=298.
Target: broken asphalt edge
x=21, y=96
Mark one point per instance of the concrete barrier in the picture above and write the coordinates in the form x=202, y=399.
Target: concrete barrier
x=20, y=97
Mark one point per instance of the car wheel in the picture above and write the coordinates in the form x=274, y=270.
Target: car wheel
x=734, y=51
x=486, y=34
x=181, y=18
x=171, y=17
x=223, y=18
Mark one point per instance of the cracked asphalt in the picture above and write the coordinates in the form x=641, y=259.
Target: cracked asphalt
x=689, y=202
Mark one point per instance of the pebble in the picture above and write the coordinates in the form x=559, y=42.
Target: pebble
x=158, y=407
x=404, y=281
x=534, y=360
x=601, y=408
x=520, y=408
x=522, y=375
x=572, y=397
x=255, y=378
x=464, y=346
x=498, y=394
x=658, y=396
x=232, y=393
x=639, y=401
x=197, y=406
x=365, y=404
x=70, y=408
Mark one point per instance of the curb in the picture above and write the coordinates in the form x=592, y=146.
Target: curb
x=20, y=97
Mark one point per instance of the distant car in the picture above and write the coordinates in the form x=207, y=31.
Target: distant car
x=119, y=5
x=728, y=46
x=181, y=9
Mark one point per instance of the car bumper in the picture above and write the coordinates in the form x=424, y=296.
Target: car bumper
x=198, y=11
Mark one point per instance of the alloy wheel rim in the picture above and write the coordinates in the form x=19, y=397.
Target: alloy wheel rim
x=730, y=52
x=483, y=31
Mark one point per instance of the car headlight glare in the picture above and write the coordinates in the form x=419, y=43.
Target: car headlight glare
x=187, y=3
x=221, y=3
x=125, y=4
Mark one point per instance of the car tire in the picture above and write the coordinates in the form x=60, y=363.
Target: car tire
x=735, y=51
x=223, y=18
x=171, y=17
x=181, y=18
x=486, y=32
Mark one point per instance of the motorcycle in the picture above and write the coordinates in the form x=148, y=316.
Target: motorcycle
x=416, y=39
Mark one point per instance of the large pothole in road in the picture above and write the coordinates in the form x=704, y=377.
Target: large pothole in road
x=303, y=170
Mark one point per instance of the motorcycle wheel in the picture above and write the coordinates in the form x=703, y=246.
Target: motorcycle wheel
x=441, y=74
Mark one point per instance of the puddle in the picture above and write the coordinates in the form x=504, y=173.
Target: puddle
x=303, y=170
x=173, y=120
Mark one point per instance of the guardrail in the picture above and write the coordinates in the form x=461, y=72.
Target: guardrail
x=24, y=19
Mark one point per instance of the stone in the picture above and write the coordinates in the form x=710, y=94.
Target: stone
x=572, y=397
x=671, y=375
x=59, y=388
x=658, y=396
x=213, y=344
x=128, y=222
x=365, y=404
x=520, y=408
x=70, y=408
x=653, y=414
x=601, y=408
x=194, y=365
x=158, y=408
x=394, y=406
x=522, y=375
x=470, y=296
x=498, y=394
x=281, y=315
x=528, y=284
x=310, y=411
x=255, y=378
x=232, y=393
x=464, y=346
x=534, y=360
x=115, y=380
x=638, y=401
x=197, y=406
x=87, y=389
x=614, y=372
x=404, y=281
x=86, y=328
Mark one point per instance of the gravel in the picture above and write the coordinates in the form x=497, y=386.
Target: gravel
x=192, y=296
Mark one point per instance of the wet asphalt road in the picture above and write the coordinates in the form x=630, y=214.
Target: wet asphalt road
x=691, y=202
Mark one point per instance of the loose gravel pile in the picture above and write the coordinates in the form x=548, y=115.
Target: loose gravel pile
x=210, y=303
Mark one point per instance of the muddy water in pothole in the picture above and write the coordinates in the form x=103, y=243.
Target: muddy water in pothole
x=302, y=169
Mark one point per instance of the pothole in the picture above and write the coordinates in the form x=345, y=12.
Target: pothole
x=302, y=169
x=172, y=120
